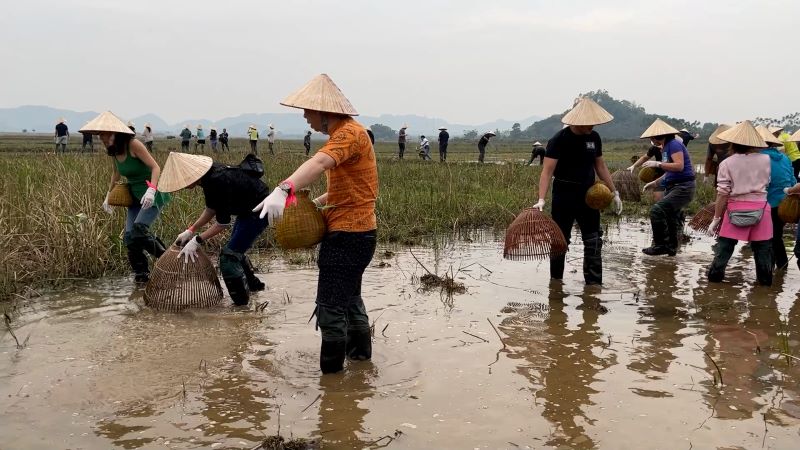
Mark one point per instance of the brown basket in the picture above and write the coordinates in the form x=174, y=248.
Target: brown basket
x=175, y=285
x=302, y=224
x=649, y=174
x=533, y=235
x=599, y=196
x=627, y=185
x=789, y=209
x=702, y=220
x=120, y=195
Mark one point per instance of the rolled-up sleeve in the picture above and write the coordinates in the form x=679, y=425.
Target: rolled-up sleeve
x=724, y=181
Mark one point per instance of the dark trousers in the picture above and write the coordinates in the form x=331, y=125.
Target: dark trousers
x=401, y=149
x=341, y=315
x=779, y=258
x=234, y=266
x=442, y=152
x=481, y=153
x=185, y=145
x=796, y=167
x=254, y=147
x=537, y=154
x=762, y=253
x=270, y=144
x=569, y=206
x=666, y=216
x=308, y=148
x=149, y=146
x=224, y=145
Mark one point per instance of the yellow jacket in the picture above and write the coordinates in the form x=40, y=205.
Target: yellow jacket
x=789, y=147
x=253, y=134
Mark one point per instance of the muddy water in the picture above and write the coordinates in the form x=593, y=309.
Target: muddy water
x=100, y=370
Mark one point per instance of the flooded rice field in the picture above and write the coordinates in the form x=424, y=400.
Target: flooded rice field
x=656, y=358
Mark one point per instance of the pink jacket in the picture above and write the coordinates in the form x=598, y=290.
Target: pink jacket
x=744, y=176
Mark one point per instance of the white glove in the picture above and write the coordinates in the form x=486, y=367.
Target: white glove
x=649, y=185
x=272, y=206
x=183, y=238
x=652, y=164
x=631, y=169
x=539, y=205
x=148, y=198
x=617, y=203
x=189, y=251
x=785, y=191
x=712, y=229
x=106, y=207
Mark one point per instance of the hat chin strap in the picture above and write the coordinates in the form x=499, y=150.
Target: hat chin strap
x=324, y=122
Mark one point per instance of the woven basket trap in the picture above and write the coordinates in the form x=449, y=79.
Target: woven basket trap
x=175, y=285
x=533, y=235
x=789, y=209
x=627, y=185
x=302, y=224
x=702, y=220
x=120, y=195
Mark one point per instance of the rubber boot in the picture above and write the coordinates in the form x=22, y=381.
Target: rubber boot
x=359, y=345
x=722, y=254
x=557, y=266
x=146, y=240
x=138, y=261
x=593, y=259
x=331, y=356
x=237, y=289
x=661, y=232
x=253, y=283
x=762, y=253
x=232, y=270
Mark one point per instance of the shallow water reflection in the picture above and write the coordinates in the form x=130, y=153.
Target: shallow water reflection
x=634, y=364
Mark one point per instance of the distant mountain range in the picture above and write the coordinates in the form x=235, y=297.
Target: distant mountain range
x=43, y=119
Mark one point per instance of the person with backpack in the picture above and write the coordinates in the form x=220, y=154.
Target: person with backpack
x=186, y=136
x=229, y=191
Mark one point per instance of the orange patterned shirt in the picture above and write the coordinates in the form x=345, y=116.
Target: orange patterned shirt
x=353, y=183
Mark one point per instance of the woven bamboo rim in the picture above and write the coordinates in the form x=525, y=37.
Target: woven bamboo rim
x=175, y=285
x=120, y=195
x=533, y=235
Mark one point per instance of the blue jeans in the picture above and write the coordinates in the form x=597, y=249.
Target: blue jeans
x=246, y=230
x=143, y=216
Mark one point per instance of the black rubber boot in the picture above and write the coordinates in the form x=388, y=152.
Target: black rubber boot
x=663, y=227
x=147, y=241
x=593, y=259
x=762, y=253
x=237, y=289
x=253, y=282
x=359, y=345
x=557, y=266
x=722, y=254
x=139, y=264
x=331, y=356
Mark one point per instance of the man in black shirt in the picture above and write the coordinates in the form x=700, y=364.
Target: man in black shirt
x=444, y=138
x=307, y=142
x=482, y=143
x=223, y=140
x=538, y=151
x=573, y=157
x=61, y=136
x=228, y=191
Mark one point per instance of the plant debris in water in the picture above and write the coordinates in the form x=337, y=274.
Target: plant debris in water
x=431, y=281
x=279, y=443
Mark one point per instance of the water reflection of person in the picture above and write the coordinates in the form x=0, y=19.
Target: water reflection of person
x=341, y=410
x=663, y=316
x=570, y=366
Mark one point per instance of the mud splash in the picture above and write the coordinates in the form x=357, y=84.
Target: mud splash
x=514, y=362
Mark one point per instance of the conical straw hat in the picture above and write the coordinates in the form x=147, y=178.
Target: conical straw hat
x=587, y=112
x=713, y=139
x=106, y=122
x=658, y=128
x=774, y=129
x=321, y=94
x=795, y=137
x=181, y=170
x=743, y=134
x=768, y=137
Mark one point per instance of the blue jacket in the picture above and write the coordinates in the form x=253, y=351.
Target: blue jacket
x=781, y=175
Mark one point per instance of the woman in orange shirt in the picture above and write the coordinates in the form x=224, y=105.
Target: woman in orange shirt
x=348, y=159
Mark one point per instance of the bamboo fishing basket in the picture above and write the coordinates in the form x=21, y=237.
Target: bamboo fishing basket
x=648, y=174
x=627, y=185
x=176, y=285
x=533, y=235
x=789, y=209
x=703, y=218
x=302, y=224
x=120, y=195
x=599, y=196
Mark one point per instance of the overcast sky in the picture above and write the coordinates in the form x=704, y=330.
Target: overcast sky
x=465, y=61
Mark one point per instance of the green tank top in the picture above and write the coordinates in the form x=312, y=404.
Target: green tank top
x=137, y=173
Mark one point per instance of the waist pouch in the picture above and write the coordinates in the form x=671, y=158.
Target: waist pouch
x=746, y=217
